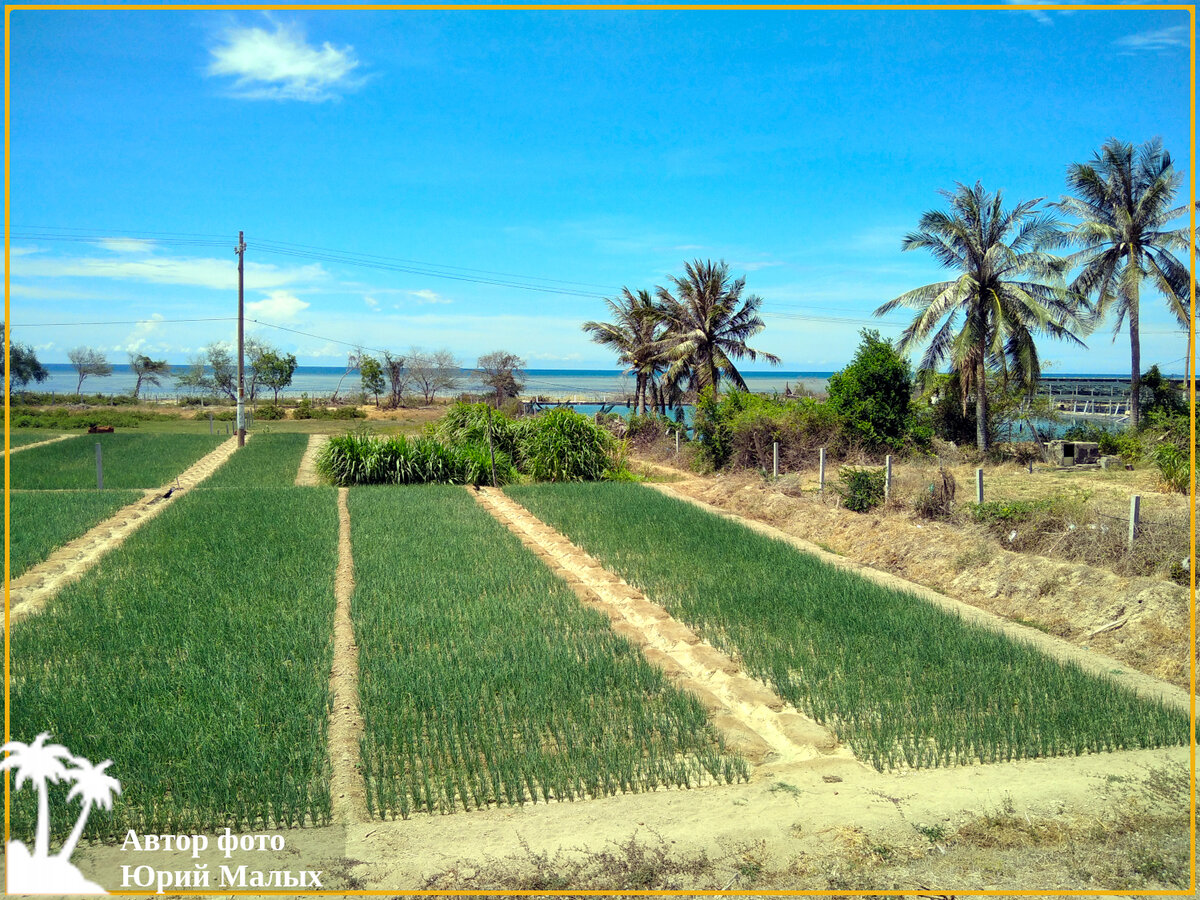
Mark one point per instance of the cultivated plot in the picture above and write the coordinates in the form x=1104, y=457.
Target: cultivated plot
x=902, y=682
x=483, y=681
x=197, y=658
x=129, y=461
x=268, y=460
x=39, y=521
x=34, y=436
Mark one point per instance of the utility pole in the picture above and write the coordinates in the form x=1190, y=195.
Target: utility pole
x=241, y=398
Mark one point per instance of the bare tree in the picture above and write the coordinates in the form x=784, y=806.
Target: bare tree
x=434, y=372
x=353, y=363
x=88, y=361
x=500, y=371
x=397, y=376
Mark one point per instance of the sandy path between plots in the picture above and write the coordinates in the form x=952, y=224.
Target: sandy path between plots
x=54, y=440
x=307, y=476
x=1105, y=666
x=755, y=722
x=346, y=786
x=30, y=593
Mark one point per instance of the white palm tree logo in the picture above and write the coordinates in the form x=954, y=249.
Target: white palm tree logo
x=42, y=764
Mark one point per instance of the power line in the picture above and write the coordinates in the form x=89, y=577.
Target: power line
x=121, y=322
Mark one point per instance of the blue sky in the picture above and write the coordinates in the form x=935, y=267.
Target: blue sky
x=561, y=154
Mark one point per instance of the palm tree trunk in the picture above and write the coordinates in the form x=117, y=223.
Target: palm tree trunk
x=1135, y=357
x=41, y=846
x=981, y=423
x=73, y=838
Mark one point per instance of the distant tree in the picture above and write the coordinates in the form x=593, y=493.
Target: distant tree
x=1124, y=199
x=22, y=365
x=1160, y=397
x=213, y=372
x=88, y=361
x=708, y=323
x=634, y=334
x=275, y=371
x=372, y=376
x=397, y=376
x=353, y=364
x=433, y=372
x=873, y=394
x=501, y=372
x=148, y=371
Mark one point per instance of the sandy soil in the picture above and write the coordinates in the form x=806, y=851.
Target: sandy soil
x=345, y=721
x=1142, y=622
x=30, y=593
x=53, y=440
x=306, y=476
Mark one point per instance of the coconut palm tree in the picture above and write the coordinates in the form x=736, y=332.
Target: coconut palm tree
x=93, y=788
x=42, y=764
x=1000, y=295
x=708, y=323
x=1123, y=201
x=633, y=333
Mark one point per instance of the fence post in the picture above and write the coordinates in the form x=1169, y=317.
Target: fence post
x=1135, y=506
x=887, y=478
x=99, y=469
x=822, y=469
x=775, y=453
x=979, y=485
x=210, y=423
x=676, y=441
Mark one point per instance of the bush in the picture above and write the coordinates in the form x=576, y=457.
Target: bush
x=861, y=489
x=566, y=446
x=270, y=413
x=1008, y=512
x=873, y=394
x=305, y=410
x=937, y=500
x=741, y=428
x=1174, y=467
x=359, y=458
x=61, y=418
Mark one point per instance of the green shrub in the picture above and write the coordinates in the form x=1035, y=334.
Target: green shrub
x=359, y=458
x=861, y=489
x=1174, y=467
x=270, y=412
x=566, y=446
x=1008, y=512
x=873, y=394
x=63, y=419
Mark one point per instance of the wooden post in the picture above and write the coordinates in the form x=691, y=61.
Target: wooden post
x=887, y=478
x=676, y=441
x=775, y=454
x=210, y=423
x=821, y=469
x=99, y=469
x=979, y=485
x=1135, y=506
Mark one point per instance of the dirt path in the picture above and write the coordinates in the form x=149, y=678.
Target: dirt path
x=755, y=722
x=307, y=476
x=1091, y=661
x=345, y=721
x=30, y=593
x=61, y=437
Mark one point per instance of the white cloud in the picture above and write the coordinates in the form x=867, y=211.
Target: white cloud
x=371, y=302
x=278, y=305
x=220, y=274
x=1042, y=15
x=126, y=245
x=141, y=334
x=1154, y=41
x=281, y=65
x=23, y=251
x=428, y=296
x=753, y=266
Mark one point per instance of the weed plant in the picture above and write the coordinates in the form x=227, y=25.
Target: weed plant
x=41, y=521
x=483, y=681
x=196, y=657
x=267, y=460
x=130, y=461
x=901, y=681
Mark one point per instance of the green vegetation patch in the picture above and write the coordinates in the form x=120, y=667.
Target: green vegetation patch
x=267, y=460
x=130, y=461
x=899, y=680
x=40, y=522
x=63, y=418
x=483, y=681
x=197, y=659
x=21, y=438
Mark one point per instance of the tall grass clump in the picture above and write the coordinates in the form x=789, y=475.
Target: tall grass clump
x=267, y=460
x=359, y=458
x=129, y=460
x=196, y=657
x=901, y=681
x=565, y=446
x=483, y=681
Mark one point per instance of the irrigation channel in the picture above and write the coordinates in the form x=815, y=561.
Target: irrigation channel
x=406, y=682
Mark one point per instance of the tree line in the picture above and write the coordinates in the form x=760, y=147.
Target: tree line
x=1010, y=288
